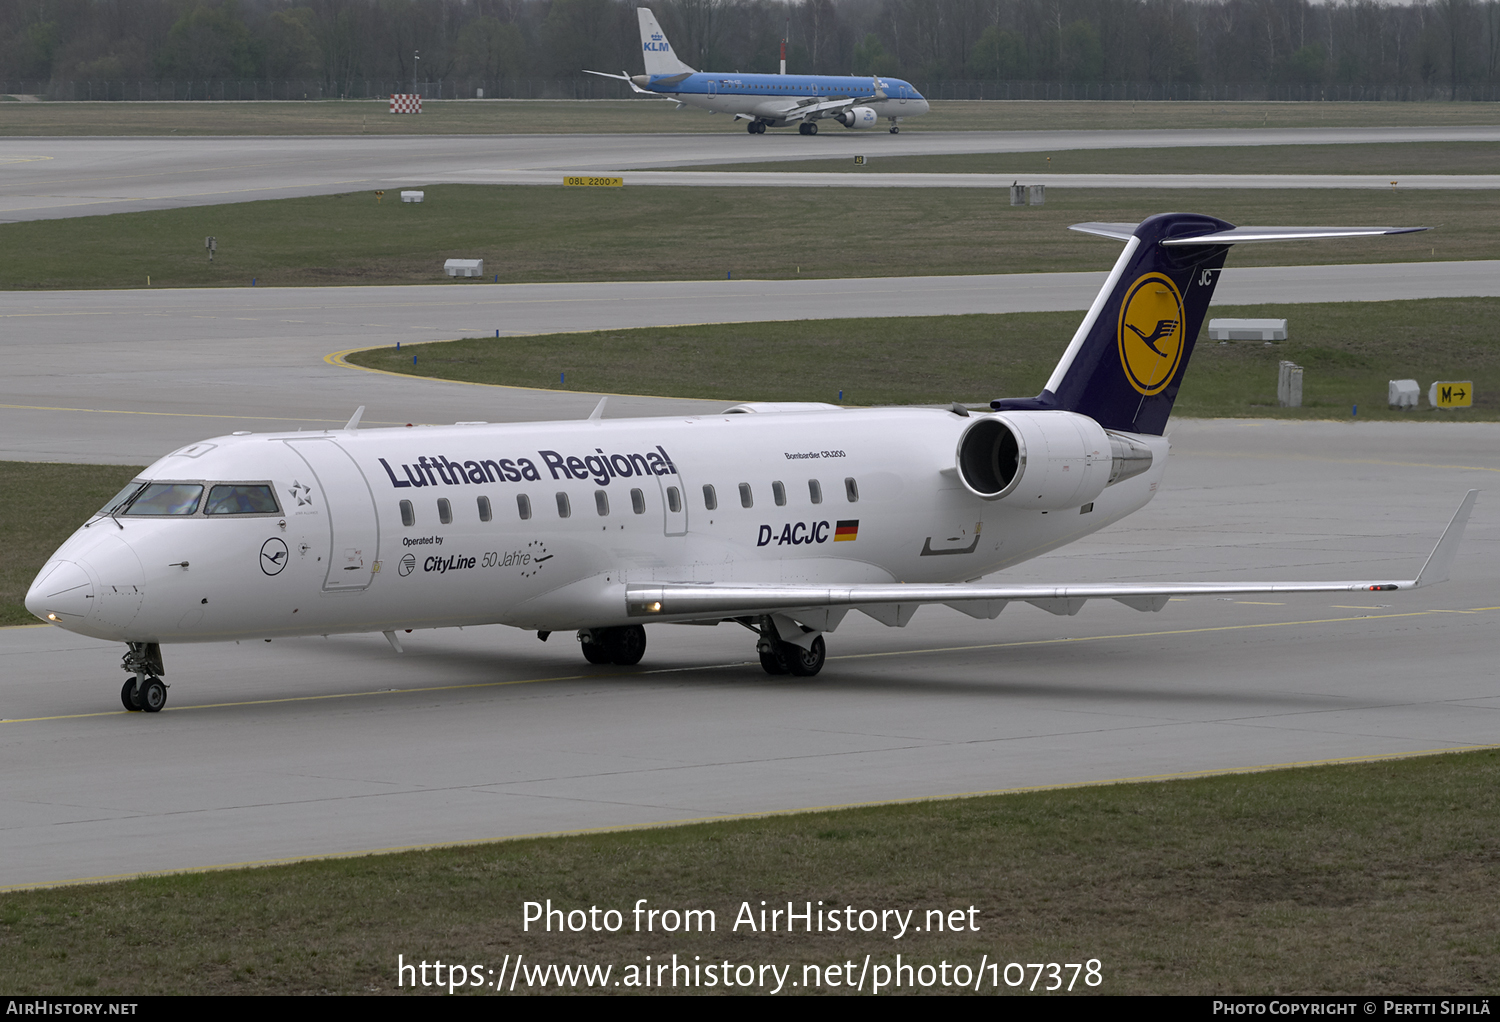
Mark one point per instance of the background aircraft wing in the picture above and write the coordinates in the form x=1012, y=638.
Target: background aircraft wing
x=894, y=603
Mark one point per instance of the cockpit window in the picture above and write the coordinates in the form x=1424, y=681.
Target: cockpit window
x=120, y=499
x=166, y=499
x=240, y=499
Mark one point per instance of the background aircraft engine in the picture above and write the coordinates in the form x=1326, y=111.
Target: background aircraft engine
x=857, y=117
x=1045, y=461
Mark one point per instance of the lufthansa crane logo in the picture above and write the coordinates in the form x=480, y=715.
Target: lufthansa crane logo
x=1151, y=336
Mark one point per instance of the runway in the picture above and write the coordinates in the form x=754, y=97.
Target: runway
x=44, y=178
x=318, y=747
x=125, y=376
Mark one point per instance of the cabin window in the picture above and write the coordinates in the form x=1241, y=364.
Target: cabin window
x=674, y=500
x=778, y=494
x=523, y=506
x=601, y=502
x=710, y=499
x=408, y=516
x=445, y=511
x=638, y=502
x=815, y=491
x=166, y=499
x=851, y=490
x=241, y=500
x=485, y=514
x=564, y=509
x=746, y=498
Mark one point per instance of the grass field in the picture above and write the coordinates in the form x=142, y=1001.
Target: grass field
x=1355, y=879
x=556, y=233
x=1349, y=351
x=1391, y=160
x=511, y=117
x=70, y=493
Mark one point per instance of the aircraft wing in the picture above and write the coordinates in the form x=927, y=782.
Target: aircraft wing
x=816, y=606
x=812, y=111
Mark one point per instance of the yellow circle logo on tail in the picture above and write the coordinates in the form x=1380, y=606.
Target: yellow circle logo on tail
x=1151, y=333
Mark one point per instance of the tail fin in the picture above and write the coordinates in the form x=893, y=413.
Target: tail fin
x=1126, y=362
x=660, y=60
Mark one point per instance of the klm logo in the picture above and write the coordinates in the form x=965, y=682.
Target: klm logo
x=657, y=43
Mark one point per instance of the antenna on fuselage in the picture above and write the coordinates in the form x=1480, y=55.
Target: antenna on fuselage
x=353, y=422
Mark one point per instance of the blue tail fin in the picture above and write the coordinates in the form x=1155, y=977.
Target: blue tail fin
x=1127, y=359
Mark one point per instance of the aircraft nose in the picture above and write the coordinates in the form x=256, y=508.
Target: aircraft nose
x=63, y=593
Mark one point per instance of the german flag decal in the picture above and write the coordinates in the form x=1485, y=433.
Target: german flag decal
x=846, y=531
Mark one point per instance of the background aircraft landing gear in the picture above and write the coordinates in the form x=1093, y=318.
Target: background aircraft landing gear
x=144, y=690
x=621, y=646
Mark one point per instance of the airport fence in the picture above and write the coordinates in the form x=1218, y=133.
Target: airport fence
x=598, y=88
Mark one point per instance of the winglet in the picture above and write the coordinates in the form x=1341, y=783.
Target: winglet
x=598, y=413
x=353, y=422
x=1441, y=559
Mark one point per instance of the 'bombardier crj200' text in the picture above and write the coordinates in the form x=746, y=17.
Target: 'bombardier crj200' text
x=781, y=518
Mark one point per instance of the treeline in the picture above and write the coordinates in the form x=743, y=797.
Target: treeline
x=1439, y=44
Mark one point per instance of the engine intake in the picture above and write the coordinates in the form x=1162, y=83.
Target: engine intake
x=1045, y=461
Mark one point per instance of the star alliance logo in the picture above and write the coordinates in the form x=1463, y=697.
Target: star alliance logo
x=303, y=494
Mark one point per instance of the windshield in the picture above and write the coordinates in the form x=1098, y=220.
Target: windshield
x=240, y=499
x=166, y=499
x=118, y=500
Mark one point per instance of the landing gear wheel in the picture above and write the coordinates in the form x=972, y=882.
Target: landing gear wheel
x=595, y=653
x=626, y=645
x=753, y=128
x=895, y=130
x=775, y=663
x=807, y=128
x=128, y=696
x=804, y=663
x=760, y=127
x=153, y=695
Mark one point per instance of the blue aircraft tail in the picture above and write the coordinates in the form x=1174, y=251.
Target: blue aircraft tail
x=1126, y=362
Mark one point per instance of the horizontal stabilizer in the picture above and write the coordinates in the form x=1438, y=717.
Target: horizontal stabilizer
x=1241, y=235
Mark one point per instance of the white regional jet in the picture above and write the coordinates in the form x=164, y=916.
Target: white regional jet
x=778, y=517
x=774, y=101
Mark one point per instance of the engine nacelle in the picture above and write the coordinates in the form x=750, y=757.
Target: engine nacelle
x=1045, y=461
x=857, y=117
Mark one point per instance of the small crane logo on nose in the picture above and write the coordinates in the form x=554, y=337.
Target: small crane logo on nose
x=273, y=556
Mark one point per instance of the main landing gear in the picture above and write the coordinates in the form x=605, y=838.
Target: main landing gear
x=620, y=646
x=780, y=657
x=756, y=127
x=144, y=689
x=807, y=128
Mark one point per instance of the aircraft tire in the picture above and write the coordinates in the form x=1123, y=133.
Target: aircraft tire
x=812, y=128
x=775, y=663
x=596, y=652
x=802, y=128
x=751, y=128
x=153, y=695
x=895, y=129
x=805, y=663
x=127, y=695
x=626, y=645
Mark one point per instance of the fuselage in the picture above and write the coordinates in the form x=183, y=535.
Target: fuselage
x=776, y=98
x=539, y=525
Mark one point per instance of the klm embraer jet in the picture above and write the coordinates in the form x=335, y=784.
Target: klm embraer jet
x=781, y=518
x=770, y=101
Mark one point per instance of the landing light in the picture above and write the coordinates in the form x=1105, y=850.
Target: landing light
x=51, y=616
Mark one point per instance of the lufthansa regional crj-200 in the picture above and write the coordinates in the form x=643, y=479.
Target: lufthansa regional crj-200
x=779, y=517
x=770, y=101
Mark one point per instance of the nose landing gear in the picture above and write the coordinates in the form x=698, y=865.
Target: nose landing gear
x=144, y=689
